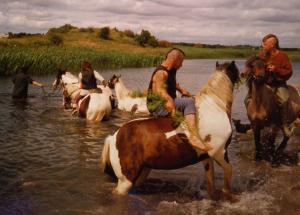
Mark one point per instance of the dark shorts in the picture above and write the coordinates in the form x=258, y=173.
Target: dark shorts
x=184, y=105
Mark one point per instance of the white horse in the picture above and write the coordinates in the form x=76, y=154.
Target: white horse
x=125, y=100
x=94, y=107
x=154, y=143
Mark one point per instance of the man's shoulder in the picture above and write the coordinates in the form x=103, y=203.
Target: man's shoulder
x=160, y=73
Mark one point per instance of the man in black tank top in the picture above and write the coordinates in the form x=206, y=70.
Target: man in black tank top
x=162, y=101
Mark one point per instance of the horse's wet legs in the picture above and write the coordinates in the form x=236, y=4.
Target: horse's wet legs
x=258, y=146
x=123, y=186
x=227, y=168
x=210, y=177
x=142, y=177
x=279, y=151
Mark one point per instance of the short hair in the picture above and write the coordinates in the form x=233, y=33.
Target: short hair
x=268, y=36
x=175, y=49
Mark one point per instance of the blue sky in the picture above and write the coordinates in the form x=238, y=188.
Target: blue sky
x=227, y=22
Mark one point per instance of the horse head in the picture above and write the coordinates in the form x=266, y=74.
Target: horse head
x=58, y=78
x=230, y=70
x=255, y=69
x=114, y=79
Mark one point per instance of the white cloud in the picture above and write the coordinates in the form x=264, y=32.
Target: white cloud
x=204, y=21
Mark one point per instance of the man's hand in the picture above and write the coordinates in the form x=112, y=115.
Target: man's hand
x=186, y=93
x=271, y=68
x=170, y=106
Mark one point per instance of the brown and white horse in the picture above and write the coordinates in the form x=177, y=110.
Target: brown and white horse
x=124, y=96
x=155, y=143
x=93, y=107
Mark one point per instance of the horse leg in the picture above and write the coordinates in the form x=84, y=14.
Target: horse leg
x=279, y=152
x=210, y=177
x=258, y=146
x=270, y=149
x=142, y=177
x=222, y=159
x=124, y=183
x=123, y=186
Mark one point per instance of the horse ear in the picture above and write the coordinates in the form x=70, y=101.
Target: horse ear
x=232, y=63
x=217, y=64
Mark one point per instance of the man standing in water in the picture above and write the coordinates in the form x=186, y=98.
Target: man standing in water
x=21, y=80
x=163, y=85
x=279, y=71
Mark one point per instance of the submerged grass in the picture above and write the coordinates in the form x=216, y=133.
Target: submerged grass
x=45, y=60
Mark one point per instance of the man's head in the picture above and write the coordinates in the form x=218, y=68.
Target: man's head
x=175, y=58
x=86, y=66
x=270, y=42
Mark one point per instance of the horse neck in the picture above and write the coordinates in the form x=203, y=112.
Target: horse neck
x=220, y=88
x=258, y=92
x=121, y=90
x=69, y=79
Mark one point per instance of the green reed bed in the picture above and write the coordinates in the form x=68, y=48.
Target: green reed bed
x=229, y=53
x=46, y=60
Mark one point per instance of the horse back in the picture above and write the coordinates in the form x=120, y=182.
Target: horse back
x=146, y=143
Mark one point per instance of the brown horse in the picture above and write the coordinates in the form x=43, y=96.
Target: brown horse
x=155, y=143
x=263, y=110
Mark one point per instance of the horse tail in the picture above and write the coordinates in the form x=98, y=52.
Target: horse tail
x=105, y=164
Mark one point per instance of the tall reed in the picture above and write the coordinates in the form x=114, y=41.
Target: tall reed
x=45, y=60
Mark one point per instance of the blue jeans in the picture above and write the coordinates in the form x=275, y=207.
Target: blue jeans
x=184, y=105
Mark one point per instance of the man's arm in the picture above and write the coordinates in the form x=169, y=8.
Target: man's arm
x=282, y=69
x=183, y=91
x=159, y=85
x=98, y=76
x=36, y=83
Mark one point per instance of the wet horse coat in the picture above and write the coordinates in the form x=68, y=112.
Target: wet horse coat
x=155, y=143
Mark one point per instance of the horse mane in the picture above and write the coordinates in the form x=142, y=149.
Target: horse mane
x=124, y=91
x=219, y=87
x=69, y=78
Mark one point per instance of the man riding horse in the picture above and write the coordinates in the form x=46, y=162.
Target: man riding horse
x=278, y=71
x=163, y=87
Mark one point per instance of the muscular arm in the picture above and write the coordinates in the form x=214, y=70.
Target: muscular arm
x=182, y=91
x=159, y=87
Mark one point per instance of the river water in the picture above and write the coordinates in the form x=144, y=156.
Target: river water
x=49, y=160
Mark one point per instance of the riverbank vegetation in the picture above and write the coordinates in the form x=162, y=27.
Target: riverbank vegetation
x=106, y=48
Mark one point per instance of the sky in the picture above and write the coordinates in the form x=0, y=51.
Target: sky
x=226, y=22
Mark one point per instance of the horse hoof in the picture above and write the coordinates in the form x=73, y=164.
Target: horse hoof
x=230, y=197
x=258, y=157
x=215, y=195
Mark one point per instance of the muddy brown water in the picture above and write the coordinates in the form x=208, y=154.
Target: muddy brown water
x=49, y=160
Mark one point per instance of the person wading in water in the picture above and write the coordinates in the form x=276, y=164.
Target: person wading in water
x=21, y=81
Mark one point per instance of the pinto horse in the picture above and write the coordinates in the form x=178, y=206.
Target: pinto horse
x=124, y=96
x=93, y=107
x=155, y=143
x=263, y=110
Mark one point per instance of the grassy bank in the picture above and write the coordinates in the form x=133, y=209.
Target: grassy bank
x=45, y=60
x=118, y=51
x=229, y=53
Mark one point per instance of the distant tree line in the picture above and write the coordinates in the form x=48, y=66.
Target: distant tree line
x=143, y=39
x=21, y=34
